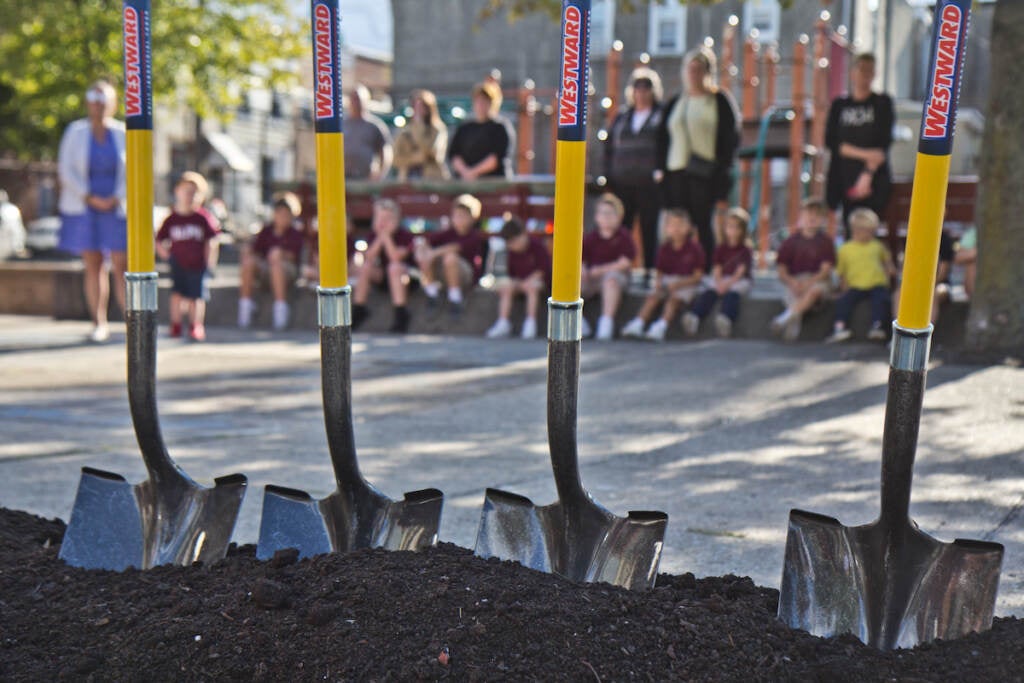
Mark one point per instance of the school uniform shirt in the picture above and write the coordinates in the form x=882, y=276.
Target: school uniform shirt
x=861, y=264
x=402, y=238
x=523, y=264
x=686, y=260
x=731, y=259
x=597, y=251
x=804, y=255
x=188, y=235
x=290, y=241
x=471, y=246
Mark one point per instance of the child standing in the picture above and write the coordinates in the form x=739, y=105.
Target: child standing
x=608, y=254
x=529, y=270
x=864, y=267
x=804, y=263
x=184, y=239
x=679, y=268
x=730, y=278
x=453, y=256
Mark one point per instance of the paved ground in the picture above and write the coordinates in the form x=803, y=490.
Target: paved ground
x=724, y=436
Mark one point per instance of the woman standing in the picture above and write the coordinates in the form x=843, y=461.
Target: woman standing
x=420, y=147
x=631, y=157
x=480, y=147
x=91, y=165
x=697, y=144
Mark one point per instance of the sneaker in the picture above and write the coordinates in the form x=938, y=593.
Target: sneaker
x=529, y=329
x=431, y=303
x=876, y=333
x=99, y=334
x=455, y=310
x=401, y=322
x=280, y=315
x=359, y=315
x=585, y=329
x=691, y=323
x=779, y=322
x=605, y=328
x=175, y=330
x=657, y=330
x=500, y=329
x=839, y=335
x=791, y=331
x=723, y=326
x=197, y=333
x=634, y=328
x=246, y=307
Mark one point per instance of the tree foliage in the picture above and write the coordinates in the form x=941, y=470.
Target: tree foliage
x=203, y=56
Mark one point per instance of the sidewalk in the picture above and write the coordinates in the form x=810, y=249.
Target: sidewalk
x=725, y=436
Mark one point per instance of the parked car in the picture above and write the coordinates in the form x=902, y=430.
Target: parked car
x=12, y=229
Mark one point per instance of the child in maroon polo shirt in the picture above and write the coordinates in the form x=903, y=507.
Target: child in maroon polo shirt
x=275, y=253
x=679, y=267
x=386, y=260
x=454, y=256
x=529, y=270
x=184, y=239
x=608, y=254
x=730, y=279
x=805, y=262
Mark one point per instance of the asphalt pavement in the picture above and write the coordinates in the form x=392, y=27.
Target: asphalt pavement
x=725, y=436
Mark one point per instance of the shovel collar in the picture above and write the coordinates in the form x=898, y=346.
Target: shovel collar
x=910, y=348
x=141, y=289
x=335, y=309
x=565, y=320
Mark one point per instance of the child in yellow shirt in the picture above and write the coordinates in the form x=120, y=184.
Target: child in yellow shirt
x=864, y=267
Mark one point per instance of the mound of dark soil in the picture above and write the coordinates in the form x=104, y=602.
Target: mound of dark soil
x=375, y=615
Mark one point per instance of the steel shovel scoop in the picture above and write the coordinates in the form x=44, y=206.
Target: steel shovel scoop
x=356, y=515
x=575, y=536
x=888, y=582
x=168, y=518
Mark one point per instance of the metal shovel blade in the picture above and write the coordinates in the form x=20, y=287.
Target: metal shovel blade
x=168, y=518
x=887, y=582
x=575, y=536
x=356, y=515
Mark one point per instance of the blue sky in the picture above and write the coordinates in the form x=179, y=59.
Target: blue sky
x=365, y=24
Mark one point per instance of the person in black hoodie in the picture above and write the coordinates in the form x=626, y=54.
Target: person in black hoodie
x=631, y=157
x=697, y=142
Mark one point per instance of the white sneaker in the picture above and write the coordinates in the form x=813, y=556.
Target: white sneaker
x=779, y=322
x=839, y=335
x=657, y=330
x=529, y=330
x=634, y=328
x=280, y=315
x=691, y=323
x=791, y=331
x=585, y=327
x=501, y=328
x=605, y=328
x=876, y=333
x=245, y=311
x=723, y=326
x=99, y=334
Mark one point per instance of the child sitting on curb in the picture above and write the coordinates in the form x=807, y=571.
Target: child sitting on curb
x=730, y=279
x=864, y=268
x=385, y=262
x=529, y=270
x=608, y=254
x=804, y=264
x=453, y=256
x=273, y=256
x=679, y=267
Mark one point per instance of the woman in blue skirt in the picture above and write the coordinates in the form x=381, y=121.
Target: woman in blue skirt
x=91, y=164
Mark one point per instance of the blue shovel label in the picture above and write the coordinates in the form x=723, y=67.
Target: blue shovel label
x=572, y=92
x=138, y=70
x=948, y=49
x=328, y=112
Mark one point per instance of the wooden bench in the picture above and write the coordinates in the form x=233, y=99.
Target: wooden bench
x=961, y=199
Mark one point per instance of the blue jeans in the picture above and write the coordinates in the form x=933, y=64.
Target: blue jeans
x=730, y=307
x=879, y=297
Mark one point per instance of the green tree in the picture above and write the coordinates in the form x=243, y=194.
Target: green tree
x=203, y=55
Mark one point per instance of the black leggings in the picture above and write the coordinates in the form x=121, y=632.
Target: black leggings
x=682, y=190
x=645, y=200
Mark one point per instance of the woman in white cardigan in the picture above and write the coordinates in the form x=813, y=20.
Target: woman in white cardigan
x=91, y=164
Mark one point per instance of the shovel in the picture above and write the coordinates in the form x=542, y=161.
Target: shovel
x=356, y=515
x=888, y=582
x=575, y=536
x=167, y=519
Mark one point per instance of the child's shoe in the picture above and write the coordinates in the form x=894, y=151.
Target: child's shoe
x=280, y=315
x=197, y=333
x=500, y=329
x=723, y=325
x=175, y=330
x=529, y=329
x=691, y=323
x=779, y=322
x=401, y=322
x=605, y=328
x=585, y=329
x=791, y=330
x=657, y=330
x=634, y=328
x=840, y=334
x=246, y=307
x=877, y=333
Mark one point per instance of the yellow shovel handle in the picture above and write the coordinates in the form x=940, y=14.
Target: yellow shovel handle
x=330, y=199
x=139, y=178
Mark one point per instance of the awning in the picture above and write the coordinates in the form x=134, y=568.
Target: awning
x=227, y=153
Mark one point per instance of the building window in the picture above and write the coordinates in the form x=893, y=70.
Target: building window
x=763, y=16
x=602, y=26
x=666, y=28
